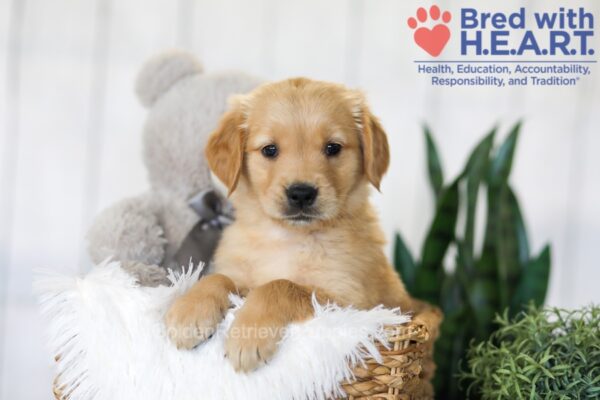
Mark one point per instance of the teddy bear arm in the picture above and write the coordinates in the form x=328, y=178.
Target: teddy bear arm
x=128, y=231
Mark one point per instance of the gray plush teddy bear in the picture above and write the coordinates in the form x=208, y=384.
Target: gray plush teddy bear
x=180, y=218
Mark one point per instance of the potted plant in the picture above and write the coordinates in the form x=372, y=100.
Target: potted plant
x=539, y=354
x=503, y=275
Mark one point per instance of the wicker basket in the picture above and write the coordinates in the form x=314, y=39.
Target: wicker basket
x=407, y=367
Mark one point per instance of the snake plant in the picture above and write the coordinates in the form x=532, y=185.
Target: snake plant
x=501, y=276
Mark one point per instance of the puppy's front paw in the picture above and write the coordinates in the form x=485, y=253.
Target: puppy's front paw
x=248, y=346
x=193, y=319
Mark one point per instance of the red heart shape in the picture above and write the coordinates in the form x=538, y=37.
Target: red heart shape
x=433, y=40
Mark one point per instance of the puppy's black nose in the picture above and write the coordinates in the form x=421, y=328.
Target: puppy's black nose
x=301, y=195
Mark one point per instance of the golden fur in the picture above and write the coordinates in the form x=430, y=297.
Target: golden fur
x=279, y=261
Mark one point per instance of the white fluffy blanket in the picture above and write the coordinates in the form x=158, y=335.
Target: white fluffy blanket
x=112, y=344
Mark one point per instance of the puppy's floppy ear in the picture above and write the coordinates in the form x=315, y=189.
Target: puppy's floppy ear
x=375, y=148
x=226, y=146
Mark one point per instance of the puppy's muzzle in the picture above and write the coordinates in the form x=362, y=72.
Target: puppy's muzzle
x=301, y=196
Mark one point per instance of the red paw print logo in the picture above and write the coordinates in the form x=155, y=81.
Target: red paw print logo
x=432, y=40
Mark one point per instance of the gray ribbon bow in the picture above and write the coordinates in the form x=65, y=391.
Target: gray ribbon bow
x=215, y=214
x=212, y=208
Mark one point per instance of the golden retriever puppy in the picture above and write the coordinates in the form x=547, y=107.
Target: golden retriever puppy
x=298, y=157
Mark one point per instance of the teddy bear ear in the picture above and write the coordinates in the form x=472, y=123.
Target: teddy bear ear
x=163, y=71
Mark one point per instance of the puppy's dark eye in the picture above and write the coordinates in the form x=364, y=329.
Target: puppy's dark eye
x=332, y=149
x=269, y=151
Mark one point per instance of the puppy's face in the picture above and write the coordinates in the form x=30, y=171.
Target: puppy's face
x=303, y=148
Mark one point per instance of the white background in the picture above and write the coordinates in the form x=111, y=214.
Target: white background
x=70, y=129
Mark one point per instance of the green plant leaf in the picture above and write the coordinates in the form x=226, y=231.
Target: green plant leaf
x=534, y=281
x=507, y=246
x=538, y=354
x=405, y=264
x=512, y=247
x=434, y=165
x=449, y=352
x=465, y=264
x=452, y=295
x=480, y=292
x=491, y=287
x=484, y=294
x=483, y=299
x=521, y=229
x=451, y=345
x=501, y=164
x=498, y=173
x=429, y=275
x=474, y=173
